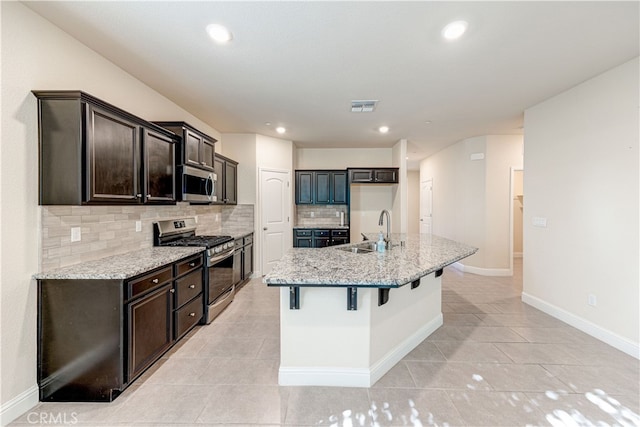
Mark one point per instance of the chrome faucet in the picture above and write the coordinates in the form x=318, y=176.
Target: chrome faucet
x=381, y=221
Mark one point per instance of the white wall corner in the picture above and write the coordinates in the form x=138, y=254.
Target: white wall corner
x=500, y=272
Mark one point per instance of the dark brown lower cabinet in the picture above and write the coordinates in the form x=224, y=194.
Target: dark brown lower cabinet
x=150, y=329
x=95, y=337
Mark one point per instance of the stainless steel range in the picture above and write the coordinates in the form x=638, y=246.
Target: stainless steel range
x=218, y=287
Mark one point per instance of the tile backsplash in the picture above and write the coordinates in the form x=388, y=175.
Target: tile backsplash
x=111, y=230
x=322, y=214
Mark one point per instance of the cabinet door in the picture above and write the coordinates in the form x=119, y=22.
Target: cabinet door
x=159, y=173
x=303, y=242
x=150, y=329
x=322, y=188
x=192, y=142
x=247, y=262
x=207, y=153
x=386, y=175
x=114, y=157
x=304, y=187
x=219, y=167
x=361, y=175
x=339, y=188
x=321, y=242
x=230, y=183
x=339, y=240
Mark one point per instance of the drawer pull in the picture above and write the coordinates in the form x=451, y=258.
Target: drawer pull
x=192, y=264
x=173, y=291
x=155, y=281
x=192, y=286
x=192, y=315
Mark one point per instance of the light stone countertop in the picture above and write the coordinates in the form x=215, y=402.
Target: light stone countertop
x=323, y=226
x=123, y=266
x=237, y=231
x=421, y=255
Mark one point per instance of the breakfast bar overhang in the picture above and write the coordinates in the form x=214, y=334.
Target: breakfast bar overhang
x=348, y=316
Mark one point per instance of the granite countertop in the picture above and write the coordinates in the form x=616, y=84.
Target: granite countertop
x=323, y=226
x=237, y=231
x=123, y=266
x=421, y=255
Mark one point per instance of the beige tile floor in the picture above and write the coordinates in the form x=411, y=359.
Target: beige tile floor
x=494, y=362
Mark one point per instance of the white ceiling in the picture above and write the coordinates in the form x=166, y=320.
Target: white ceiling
x=299, y=64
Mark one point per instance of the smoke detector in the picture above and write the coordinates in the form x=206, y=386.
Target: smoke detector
x=363, y=106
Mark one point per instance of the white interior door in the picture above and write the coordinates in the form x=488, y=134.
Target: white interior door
x=426, y=206
x=275, y=196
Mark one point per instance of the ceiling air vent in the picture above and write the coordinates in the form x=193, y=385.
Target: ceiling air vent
x=363, y=106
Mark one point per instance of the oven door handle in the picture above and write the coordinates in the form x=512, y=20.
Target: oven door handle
x=225, y=255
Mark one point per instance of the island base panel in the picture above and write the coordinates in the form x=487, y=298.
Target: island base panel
x=324, y=344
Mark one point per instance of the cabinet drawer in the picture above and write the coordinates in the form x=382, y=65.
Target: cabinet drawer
x=303, y=233
x=339, y=233
x=144, y=283
x=321, y=233
x=188, y=287
x=248, y=240
x=188, y=316
x=188, y=265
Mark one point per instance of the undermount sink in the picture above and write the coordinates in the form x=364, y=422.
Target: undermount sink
x=360, y=248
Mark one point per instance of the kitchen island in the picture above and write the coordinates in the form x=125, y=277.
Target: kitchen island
x=346, y=318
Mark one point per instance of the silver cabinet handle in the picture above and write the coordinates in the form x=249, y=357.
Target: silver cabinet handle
x=148, y=196
x=192, y=264
x=155, y=281
x=173, y=291
x=192, y=315
x=192, y=286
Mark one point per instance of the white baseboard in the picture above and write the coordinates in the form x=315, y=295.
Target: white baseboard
x=356, y=377
x=20, y=404
x=611, y=338
x=395, y=355
x=482, y=271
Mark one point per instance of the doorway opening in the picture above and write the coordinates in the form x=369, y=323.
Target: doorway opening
x=517, y=212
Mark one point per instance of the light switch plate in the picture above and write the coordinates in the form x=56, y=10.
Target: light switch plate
x=138, y=226
x=539, y=221
x=76, y=234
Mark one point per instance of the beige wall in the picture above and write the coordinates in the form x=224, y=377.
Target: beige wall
x=37, y=55
x=341, y=158
x=581, y=173
x=471, y=197
x=241, y=147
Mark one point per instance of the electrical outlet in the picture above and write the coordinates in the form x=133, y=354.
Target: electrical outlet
x=217, y=217
x=76, y=234
x=337, y=214
x=195, y=218
x=592, y=300
x=138, y=226
x=313, y=214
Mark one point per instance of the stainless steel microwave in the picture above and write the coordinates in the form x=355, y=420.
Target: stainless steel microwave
x=198, y=185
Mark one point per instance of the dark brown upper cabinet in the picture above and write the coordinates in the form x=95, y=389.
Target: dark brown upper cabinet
x=321, y=187
x=226, y=187
x=197, y=148
x=91, y=152
x=373, y=175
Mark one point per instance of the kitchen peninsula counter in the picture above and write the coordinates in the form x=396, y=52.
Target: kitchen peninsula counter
x=347, y=318
x=421, y=255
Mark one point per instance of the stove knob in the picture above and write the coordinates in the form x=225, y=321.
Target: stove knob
x=217, y=250
x=225, y=246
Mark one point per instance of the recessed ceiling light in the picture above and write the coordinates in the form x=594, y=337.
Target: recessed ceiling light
x=383, y=129
x=280, y=129
x=219, y=33
x=454, y=30
x=428, y=122
x=267, y=123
